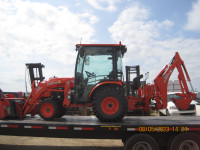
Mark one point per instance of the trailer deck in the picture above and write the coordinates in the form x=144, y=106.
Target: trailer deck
x=92, y=120
x=91, y=127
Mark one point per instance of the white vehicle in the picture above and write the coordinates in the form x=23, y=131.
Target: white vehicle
x=198, y=97
x=173, y=110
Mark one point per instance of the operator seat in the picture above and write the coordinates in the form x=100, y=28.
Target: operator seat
x=136, y=84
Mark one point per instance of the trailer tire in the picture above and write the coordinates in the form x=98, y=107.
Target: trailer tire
x=141, y=141
x=109, y=104
x=48, y=109
x=189, y=141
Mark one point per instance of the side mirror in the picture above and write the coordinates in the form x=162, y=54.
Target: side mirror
x=124, y=50
x=81, y=51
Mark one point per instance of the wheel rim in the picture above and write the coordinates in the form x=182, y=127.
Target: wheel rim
x=47, y=110
x=110, y=105
x=142, y=146
x=189, y=145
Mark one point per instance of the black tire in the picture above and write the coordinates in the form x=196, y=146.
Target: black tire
x=115, y=110
x=160, y=114
x=170, y=139
x=61, y=113
x=189, y=141
x=48, y=109
x=167, y=112
x=141, y=141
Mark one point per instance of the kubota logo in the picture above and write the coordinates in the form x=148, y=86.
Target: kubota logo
x=38, y=89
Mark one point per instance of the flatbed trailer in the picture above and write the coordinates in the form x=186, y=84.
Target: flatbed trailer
x=147, y=132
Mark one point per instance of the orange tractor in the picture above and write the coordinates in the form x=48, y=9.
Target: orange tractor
x=98, y=83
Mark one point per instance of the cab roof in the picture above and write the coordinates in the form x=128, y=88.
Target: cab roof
x=117, y=45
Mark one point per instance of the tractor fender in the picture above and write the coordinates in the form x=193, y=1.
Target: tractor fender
x=97, y=86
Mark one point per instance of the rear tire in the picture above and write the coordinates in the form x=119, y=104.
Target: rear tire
x=48, y=109
x=109, y=104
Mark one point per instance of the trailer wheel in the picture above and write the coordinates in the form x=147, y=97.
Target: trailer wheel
x=48, y=109
x=141, y=142
x=185, y=141
x=109, y=104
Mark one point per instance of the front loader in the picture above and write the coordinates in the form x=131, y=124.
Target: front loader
x=98, y=83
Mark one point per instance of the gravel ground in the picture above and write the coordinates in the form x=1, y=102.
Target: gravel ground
x=37, y=143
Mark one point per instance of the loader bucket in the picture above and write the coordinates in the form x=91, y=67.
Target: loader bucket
x=4, y=108
x=10, y=106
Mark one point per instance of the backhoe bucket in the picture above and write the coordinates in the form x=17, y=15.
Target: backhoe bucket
x=184, y=102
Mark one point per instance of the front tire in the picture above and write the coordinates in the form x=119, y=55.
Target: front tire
x=48, y=109
x=109, y=104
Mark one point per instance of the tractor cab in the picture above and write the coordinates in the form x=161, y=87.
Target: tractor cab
x=96, y=63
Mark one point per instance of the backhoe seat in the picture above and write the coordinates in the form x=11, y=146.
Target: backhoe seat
x=136, y=83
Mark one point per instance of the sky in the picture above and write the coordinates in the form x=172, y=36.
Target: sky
x=47, y=31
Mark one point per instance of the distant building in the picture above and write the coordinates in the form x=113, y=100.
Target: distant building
x=173, y=86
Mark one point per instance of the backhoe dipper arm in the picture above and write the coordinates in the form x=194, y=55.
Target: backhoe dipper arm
x=161, y=83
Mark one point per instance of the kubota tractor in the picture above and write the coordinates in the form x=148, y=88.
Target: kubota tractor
x=98, y=83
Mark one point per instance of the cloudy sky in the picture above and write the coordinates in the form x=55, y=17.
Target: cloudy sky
x=46, y=31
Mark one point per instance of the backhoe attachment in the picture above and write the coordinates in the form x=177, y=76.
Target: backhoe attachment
x=161, y=83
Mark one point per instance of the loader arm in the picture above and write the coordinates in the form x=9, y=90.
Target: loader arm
x=44, y=89
x=161, y=83
x=33, y=98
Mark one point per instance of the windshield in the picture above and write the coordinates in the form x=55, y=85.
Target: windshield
x=98, y=68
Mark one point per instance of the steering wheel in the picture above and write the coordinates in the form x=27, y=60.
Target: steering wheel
x=90, y=74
